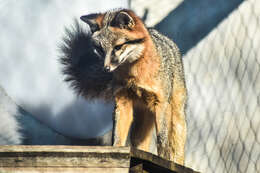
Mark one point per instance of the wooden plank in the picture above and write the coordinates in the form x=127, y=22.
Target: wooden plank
x=84, y=158
x=65, y=156
x=136, y=169
x=148, y=158
x=62, y=170
x=63, y=149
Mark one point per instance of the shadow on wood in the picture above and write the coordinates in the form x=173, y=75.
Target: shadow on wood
x=83, y=159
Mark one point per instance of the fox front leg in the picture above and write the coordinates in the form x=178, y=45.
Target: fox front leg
x=123, y=117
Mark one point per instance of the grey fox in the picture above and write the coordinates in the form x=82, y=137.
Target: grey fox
x=138, y=68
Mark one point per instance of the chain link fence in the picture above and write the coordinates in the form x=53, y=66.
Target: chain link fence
x=223, y=80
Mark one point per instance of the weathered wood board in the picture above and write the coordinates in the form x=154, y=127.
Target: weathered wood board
x=56, y=159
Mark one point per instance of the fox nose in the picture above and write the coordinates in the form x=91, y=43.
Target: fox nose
x=107, y=69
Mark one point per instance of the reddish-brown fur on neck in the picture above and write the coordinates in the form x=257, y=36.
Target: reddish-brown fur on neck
x=144, y=71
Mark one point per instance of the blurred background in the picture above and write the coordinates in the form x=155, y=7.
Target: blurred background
x=219, y=41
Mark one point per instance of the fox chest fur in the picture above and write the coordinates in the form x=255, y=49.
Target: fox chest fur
x=141, y=80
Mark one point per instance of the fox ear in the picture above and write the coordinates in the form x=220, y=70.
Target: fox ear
x=123, y=20
x=93, y=20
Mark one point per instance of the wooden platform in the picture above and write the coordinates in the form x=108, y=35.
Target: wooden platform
x=97, y=159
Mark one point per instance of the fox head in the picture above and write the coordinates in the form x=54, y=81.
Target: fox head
x=118, y=36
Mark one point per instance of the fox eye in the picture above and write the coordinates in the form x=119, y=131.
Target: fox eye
x=98, y=50
x=118, y=47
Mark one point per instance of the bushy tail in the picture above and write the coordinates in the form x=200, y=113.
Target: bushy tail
x=81, y=66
